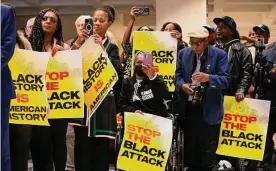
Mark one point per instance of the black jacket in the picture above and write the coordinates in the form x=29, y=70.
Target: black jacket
x=113, y=53
x=241, y=67
x=151, y=94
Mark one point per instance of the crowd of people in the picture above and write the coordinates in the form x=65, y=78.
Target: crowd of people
x=216, y=61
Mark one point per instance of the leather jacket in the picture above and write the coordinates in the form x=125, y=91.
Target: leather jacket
x=241, y=67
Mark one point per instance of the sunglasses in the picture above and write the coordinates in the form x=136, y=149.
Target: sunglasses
x=52, y=19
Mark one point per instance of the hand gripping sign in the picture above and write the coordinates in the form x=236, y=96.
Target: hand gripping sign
x=99, y=75
x=28, y=74
x=243, y=129
x=146, y=143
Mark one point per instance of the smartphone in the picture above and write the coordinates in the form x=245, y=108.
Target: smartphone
x=148, y=59
x=89, y=25
x=143, y=11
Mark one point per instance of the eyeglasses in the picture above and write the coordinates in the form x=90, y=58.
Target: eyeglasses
x=197, y=43
x=52, y=19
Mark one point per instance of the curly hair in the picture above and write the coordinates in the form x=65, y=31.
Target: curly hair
x=110, y=10
x=37, y=35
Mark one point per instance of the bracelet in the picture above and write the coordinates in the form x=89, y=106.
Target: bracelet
x=78, y=46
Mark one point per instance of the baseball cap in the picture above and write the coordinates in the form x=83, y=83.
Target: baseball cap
x=262, y=27
x=200, y=32
x=226, y=20
x=210, y=29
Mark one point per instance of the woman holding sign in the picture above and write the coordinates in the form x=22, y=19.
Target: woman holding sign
x=48, y=144
x=20, y=134
x=92, y=153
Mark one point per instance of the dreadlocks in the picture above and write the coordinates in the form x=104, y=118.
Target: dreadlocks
x=37, y=36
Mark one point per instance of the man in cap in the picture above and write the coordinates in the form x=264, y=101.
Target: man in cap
x=262, y=31
x=202, y=73
x=212, y=34
x=240, y=59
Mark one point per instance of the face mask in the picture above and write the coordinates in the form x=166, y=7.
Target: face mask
x=139, y=71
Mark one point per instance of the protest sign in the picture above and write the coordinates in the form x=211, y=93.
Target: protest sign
x=99, y=75
x=243, y=129
x=146, y=143
x=28, y=74
x=163, y=48
x=65, y=85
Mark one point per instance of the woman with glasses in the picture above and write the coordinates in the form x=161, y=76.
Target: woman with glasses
x=48, y=144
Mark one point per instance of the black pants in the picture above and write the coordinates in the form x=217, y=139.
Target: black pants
x=5, y=140
x=20, y=136
x=269, y=143
x=91, y=154
x=200, y=141
x=48, y=146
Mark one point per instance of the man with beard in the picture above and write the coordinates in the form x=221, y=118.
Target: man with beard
x=239, y=57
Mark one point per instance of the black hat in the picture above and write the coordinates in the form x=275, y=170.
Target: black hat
x=210, y=29
x=228, y=21
x=262, y=27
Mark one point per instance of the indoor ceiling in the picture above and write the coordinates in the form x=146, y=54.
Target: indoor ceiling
x=247, y=13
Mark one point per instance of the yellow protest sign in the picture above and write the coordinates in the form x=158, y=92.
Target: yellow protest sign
x=146, y=143
x=64, y=85
x=164, y=52
x=243, y=129
x=28, y=74
x=99, y=75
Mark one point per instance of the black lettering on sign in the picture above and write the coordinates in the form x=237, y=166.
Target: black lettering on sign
x=28, y=87
x=242, y=144
x=145, y=149
x=27, y=116
x=65, y=95
x=65, y=105
x=242, y=135
x=35, y=109
x=93, y=73
x=103, y=92
x=161, y=56
x=164, y=57
x=140, y=157
x=125, y=153
x=28, y=82
x=35, y=79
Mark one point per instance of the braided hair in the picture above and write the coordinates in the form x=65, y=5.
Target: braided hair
x=110, y=10
x=37, y=36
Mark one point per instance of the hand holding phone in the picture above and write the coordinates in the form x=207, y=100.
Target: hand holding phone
x=148, y=59
x=89, y=26
x=143, y=11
